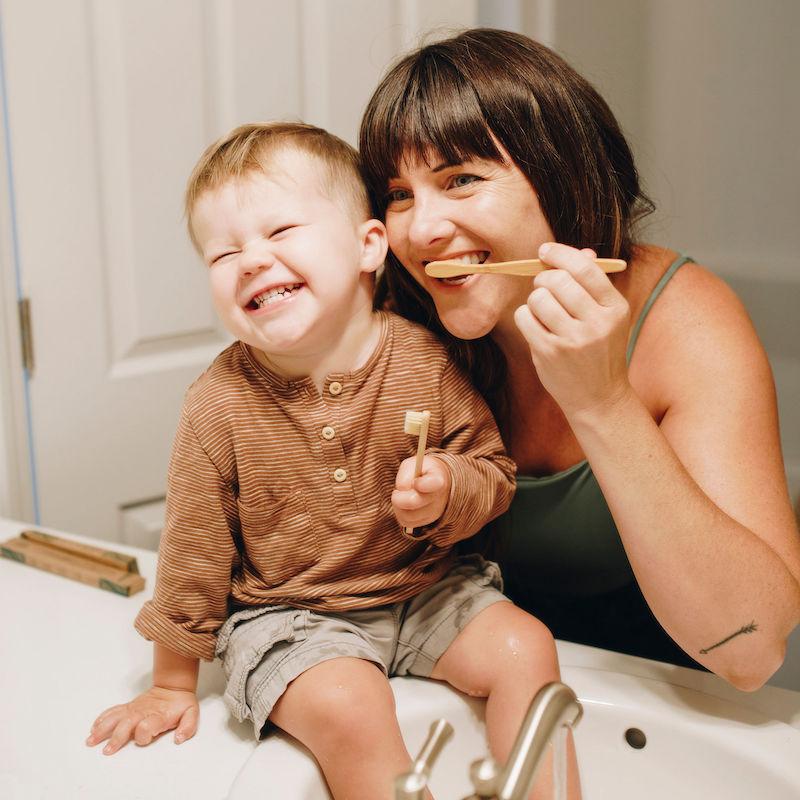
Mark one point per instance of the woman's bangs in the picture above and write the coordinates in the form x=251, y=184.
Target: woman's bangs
x=435, y=116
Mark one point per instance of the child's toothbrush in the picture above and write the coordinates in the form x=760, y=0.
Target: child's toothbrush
x=416, y=423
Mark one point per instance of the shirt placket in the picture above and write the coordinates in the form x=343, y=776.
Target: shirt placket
x=329, y=419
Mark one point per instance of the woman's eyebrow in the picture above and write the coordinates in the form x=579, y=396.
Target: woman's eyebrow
x=446, y=165
x=438, y=168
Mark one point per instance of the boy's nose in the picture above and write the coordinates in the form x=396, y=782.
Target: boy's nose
x=255, y=258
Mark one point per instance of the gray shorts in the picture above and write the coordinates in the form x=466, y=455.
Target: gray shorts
x=264, y=649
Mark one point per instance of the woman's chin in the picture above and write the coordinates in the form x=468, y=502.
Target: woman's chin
x=465, y=324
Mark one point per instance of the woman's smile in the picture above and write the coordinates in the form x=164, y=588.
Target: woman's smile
x=477, y=212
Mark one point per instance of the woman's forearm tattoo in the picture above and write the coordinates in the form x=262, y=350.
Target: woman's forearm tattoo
x=746, y=629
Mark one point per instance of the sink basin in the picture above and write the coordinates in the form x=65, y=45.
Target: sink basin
x=639, y=737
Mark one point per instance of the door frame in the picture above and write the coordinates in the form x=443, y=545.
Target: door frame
x=17, y=482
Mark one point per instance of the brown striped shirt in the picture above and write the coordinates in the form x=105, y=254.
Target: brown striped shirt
x=280, y=495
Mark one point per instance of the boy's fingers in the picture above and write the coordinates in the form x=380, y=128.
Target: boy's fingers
x=413, y=519
x=106, y=714
x=148, y=728
x=408, y=499
x=405, y=474
x=187, y=727
x=104, y=724
x=122, y=734
x=430, y=482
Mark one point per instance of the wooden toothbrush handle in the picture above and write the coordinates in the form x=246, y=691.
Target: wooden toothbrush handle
x=527, y=267
x=422, y=443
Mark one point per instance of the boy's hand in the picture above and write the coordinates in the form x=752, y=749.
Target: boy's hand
x=421, y=501
x=152, y=713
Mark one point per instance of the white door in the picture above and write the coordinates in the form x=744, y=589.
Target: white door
x=109, y=103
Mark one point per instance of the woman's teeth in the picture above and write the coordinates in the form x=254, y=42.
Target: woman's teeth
x=276, y=294
x=470, y=258
x=467, y=259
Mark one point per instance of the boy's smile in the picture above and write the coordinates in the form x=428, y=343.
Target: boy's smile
x=273, y=295
x=290, y=268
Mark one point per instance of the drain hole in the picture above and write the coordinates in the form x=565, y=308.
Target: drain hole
x=635, y=738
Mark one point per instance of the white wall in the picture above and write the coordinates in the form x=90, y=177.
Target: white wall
x=722, y=122
x=706, y=91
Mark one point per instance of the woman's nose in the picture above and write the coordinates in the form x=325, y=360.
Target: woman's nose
x=430, y=224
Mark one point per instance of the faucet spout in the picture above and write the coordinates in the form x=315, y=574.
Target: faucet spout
x=554, y=706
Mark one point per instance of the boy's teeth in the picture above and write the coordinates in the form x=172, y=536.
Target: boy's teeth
x=273, y=295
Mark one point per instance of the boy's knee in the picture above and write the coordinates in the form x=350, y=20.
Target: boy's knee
x=335, y=705
x=530, y=648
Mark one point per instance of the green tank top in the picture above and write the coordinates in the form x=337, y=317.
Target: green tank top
x=558, y=537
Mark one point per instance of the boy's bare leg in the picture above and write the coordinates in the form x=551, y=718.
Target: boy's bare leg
x=506, y=655
x=343, y=711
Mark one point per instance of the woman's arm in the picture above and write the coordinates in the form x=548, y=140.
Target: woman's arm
x=700, y=500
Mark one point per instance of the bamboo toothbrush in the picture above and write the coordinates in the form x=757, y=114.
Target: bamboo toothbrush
x=416, y=424
x=531, y=266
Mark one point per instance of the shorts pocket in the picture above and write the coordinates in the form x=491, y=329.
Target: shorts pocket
x=279, y=538
x=247, y=646
x=480, y=571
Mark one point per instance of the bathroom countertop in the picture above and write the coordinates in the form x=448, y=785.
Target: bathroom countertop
x=70, y=651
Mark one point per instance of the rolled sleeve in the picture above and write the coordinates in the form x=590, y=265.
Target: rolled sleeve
x=156, y=626
x=196, y=555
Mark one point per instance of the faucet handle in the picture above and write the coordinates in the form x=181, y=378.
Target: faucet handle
x=483, y=774
x=411, y=785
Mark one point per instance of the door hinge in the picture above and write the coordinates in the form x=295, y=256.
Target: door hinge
x=26, y=334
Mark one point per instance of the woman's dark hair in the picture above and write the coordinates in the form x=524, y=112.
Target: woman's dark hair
x=453, y=98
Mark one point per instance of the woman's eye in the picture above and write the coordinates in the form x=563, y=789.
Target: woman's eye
x=464, y=179
x=397, y=195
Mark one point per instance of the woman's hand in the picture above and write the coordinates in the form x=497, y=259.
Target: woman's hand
x=421, y=501
x=145, y=718
x=576, y=324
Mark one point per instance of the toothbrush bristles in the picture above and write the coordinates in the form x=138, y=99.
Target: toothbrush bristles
x=413, y=422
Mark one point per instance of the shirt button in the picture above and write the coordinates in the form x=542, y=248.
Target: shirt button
x=334, y=387
x=328, y=432
x=339, y=475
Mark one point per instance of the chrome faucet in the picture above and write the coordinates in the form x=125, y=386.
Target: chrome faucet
x=412, y=785
x=554, y=706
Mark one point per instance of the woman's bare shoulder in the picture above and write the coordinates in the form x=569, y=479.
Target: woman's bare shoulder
x=693, y=287
x=696, y=329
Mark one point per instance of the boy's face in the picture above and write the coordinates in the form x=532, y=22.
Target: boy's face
x=288, y=266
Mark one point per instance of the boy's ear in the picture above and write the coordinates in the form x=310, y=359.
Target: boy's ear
x=374, y=244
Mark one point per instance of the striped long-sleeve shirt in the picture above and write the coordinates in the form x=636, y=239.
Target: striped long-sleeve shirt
x=281, y=495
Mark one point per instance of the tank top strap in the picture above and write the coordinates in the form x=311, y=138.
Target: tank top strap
x=659, y=287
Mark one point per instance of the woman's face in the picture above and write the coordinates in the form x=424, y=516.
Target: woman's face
x=480, y=211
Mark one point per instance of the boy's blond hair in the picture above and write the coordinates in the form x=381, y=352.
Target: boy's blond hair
x=249, y=148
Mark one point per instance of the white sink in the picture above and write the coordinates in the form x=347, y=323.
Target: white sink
x=696, y=745
x=706, y=740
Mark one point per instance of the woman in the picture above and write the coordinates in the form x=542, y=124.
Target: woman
x=652, y=514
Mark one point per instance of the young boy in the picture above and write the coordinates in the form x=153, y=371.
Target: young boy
x=292, y=479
